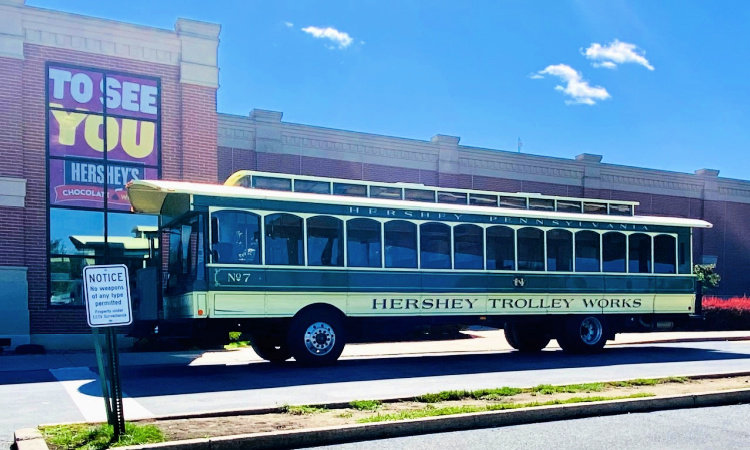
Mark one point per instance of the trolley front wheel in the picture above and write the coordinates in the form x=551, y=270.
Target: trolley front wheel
x=317, y=336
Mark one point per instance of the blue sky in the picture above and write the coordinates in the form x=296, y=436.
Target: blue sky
x=487, y=71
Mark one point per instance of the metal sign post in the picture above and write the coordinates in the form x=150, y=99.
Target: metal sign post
x=107, y=292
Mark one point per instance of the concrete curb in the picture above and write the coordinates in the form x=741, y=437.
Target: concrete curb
x=681, y=340
x=351, y=433
x=30, y=439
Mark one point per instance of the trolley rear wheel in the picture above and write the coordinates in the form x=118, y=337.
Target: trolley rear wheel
x=583, y=334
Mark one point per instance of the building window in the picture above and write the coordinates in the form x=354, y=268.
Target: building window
x=66, y=279
x=76, y=232
x=99, y=138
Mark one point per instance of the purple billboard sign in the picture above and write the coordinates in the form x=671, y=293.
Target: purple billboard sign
x=81, y=183
x=79, y=134
x=91, y=112
x=75, y=89
x=132, y=97
x=87, y=90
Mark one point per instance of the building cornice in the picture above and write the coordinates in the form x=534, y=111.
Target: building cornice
x=99, y=36
x=193, y=45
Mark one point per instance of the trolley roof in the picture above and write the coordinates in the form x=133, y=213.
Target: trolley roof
x=429, y=194
x=173, y=198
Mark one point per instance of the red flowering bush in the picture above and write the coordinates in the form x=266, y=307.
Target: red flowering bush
x=727, y=314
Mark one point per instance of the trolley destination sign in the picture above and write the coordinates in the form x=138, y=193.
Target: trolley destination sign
x=107, y=292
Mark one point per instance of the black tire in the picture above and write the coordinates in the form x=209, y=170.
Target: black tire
x=271, y=348
x=510, y=336
x=583, y=334
x=525, y=337
x=317, y=336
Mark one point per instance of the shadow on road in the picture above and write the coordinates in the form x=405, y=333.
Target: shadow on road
x=147, y=381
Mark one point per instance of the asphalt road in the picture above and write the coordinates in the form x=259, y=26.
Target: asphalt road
x=724, y=427
x=68, y=395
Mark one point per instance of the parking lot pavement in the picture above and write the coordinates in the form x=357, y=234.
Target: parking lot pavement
x=482, y=340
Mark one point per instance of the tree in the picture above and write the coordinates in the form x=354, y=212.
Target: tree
x=707, y=276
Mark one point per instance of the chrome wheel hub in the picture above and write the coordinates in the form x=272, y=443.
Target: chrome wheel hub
x=319, y=338
x=591, y=330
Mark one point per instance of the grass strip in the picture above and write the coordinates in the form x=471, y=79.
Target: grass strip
x=647, y=382
x=366, y=405
x=548, y=389
x=95, y=437
x=431, y=411
x=302, y=410
x=542, y=389
x=481, y=394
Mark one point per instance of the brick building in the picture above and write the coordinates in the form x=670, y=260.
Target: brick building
x=71, y=86
x=159, y=121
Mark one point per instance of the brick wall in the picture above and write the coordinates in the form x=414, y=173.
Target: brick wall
x=199, y=121
x=10, y=117
x=11, y=126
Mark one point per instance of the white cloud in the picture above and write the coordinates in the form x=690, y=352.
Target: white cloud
x=289, y=24
x=616, y=52
x=578, y=89
x=342, y=39
x=536, y=76
x=605, y=65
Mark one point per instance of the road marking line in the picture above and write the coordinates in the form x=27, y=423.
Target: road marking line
x=92, y=406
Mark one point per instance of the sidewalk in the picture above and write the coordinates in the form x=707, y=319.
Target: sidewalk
x=484, y=341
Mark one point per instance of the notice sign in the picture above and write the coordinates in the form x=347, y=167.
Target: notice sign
x=107, y=291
